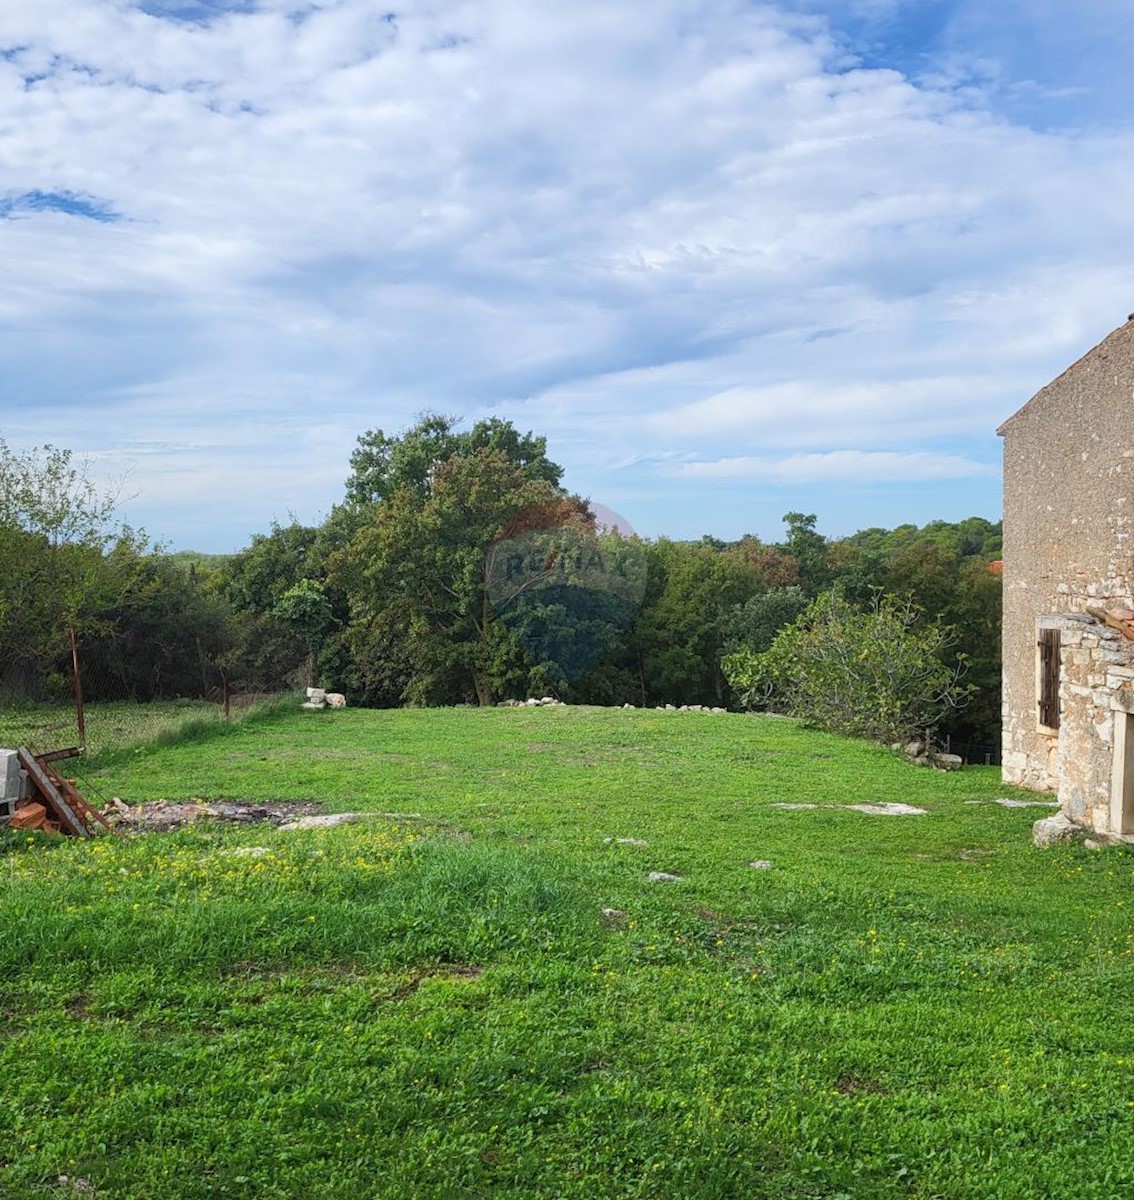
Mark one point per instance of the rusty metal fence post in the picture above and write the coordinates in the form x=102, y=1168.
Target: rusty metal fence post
x=80, y=711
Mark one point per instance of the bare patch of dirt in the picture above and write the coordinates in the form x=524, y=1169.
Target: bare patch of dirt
x=79, y=1007
x=162, y=816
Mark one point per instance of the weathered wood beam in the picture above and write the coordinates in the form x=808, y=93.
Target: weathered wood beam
x=56, y=802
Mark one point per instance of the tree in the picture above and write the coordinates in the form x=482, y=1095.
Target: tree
x=256, y=578
x=809, y=549
x=48, y=494
x=382, y=465
x=415, y=575
x=681, y=627
x=773, y=567
x=56, y=529
x=878, y=674
x=305, y=609
x=755, y=624
x=565, y=588
x=160, y=633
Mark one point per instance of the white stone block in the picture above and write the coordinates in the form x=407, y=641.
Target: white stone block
x=1016, y=759
x=1051, y=830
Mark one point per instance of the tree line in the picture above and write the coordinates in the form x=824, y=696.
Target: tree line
x=457, y=569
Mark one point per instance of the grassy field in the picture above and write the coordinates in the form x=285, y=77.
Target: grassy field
x=113, y=726
x=434, y=1005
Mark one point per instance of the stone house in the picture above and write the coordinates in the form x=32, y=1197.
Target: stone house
x=1069, y=589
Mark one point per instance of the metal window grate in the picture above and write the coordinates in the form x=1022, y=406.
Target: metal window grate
x=1049, y=646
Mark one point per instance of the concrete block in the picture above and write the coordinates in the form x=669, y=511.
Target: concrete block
x=13, y=781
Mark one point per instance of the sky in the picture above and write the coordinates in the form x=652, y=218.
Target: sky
x=732, y=259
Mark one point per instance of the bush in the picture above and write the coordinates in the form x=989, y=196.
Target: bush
x=876, y=673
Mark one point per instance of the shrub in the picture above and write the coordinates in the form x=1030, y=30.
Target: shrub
x=877, y=673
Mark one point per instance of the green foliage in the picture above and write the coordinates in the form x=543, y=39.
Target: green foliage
x=877, y=673
x=754, y=624
x=160, y=633
x=382, y=465
x=973, y=537
x=415, y=577
x=809, y=549
x=566, y=590
x=286, y=615
x=257, y=577
x=387, y=598
x=409, y=552
x=680, y=631
x=207, y=568
x=50, y=496
x=305, y=609
x=62, y=560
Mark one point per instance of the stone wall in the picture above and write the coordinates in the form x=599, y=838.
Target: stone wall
x=1068, y=537
x=1096, y=689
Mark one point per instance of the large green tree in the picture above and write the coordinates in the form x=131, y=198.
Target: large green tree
x=415, y=575
x=682, y=628
x=383, y=464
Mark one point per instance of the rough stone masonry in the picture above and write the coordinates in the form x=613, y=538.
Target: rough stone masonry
x=1068, y=526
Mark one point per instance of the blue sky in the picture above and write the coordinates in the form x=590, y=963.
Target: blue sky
x=732, y=259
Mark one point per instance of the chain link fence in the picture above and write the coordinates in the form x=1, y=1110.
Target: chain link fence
x=83, y=708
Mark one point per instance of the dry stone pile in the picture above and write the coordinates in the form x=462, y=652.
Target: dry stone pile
x=688, y=708
x=550, y=701
x=922, y=754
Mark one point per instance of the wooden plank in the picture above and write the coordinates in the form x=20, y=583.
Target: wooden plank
x=52, y=796
x=58, y=755
x=1124, y=625
x=78, y=802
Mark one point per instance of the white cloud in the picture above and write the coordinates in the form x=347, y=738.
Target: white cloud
x=697, y=234
x=842, y=466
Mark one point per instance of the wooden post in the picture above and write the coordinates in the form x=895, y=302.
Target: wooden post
x=80, y=712
x=1122, y=777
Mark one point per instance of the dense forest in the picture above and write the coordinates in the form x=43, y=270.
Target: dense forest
x=456, y=569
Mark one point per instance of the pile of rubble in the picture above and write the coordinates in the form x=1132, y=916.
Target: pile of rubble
x=550, y=701
x=684, y=708
x=35, y=796
x=163, y=816
x=320, y=698
x=922, y=754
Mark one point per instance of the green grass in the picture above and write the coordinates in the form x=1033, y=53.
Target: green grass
x=121, y=725
x=434, y=1006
